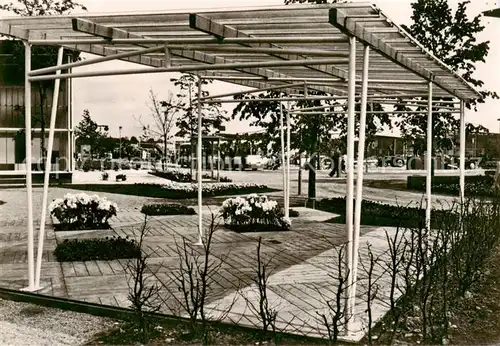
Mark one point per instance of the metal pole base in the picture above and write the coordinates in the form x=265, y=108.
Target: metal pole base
x=32, y=289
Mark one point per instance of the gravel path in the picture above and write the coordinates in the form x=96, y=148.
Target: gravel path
x=27, y=324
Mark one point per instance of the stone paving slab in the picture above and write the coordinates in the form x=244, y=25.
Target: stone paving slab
x=300, y=261
x=300, y=292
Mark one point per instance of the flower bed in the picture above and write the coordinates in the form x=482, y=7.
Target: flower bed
x=253, y=213
x=103, y=249
x=174, y=190
x=379, y=214
x=167, y=209
x=184, y=176
x=82, y=212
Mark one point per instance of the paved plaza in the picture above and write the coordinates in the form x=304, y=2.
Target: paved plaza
x=301, y=261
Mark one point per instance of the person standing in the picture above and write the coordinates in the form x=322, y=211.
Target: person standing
x=335, y=165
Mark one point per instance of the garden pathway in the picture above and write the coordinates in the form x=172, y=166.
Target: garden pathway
x=301, y=261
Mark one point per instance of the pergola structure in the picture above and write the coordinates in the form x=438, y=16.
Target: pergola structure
x=351, y=52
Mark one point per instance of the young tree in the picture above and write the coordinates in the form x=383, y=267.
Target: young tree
x=164, y=115
x=453, y=39
x=42, y=56
x=213, y=115
x=89, y=132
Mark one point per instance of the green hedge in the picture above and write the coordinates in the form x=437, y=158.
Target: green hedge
x=379, y=214
x=104, y=249
x=167, y=209
x=477, y=185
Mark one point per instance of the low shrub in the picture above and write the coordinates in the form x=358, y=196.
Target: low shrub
x=81, y=211
x=121, y=177
x=224, y=179
x=105, y=176
x=102, y=249
x=167, y=209
x=253, y=213
x=177, y=175
x=478, y=185
x=379, y=214
x=293, y=213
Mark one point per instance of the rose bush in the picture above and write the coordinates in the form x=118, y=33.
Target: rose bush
x=80, y=210
x=254, y=210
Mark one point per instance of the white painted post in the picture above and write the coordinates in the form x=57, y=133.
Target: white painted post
x=199, y=158
x=53, y=115
x=350, y=174
x=283, y=161
x=462, y=151
x=360, y=171
x=29, y=182
x=287, y=209
x=429, y=161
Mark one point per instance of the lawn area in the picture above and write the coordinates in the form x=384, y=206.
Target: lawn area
x=160, y=191
x=378, y=214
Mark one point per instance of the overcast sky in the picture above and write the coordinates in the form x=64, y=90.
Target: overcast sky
x=115, y=100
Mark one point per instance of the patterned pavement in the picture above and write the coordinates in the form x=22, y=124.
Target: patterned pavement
x=301, y=261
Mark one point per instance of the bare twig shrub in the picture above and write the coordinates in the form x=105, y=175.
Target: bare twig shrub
x=432, y=269
x=143, y=290
x=195, y=279
x=372, y=284
x=334, y=316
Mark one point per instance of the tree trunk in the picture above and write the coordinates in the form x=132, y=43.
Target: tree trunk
x=299, y=187
x=164, y=152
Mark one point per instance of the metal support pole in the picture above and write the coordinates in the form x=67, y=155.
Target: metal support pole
x=299, y=187
x=462, y=151
x=287, y=210
x=198, y=161
x=53, y=115
x=429, y=161
x=29, y=183
x=350, y=176
x=218, y=160
x=283, y=164
x=359, y=182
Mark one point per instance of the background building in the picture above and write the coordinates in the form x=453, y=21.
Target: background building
x=12, y=123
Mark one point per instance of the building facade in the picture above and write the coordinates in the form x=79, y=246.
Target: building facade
x=12, y=121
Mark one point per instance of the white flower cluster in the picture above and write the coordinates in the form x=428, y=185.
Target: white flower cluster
x=240, y=206
x=253, y=209
x=210, y=187
x=73, y=201
x=82, y=209
x=262, y=202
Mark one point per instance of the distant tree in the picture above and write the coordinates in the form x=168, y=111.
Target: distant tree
x=134, y=140
x=88, y=132
x=42, y=56
x=164, y=115
x=453, y=39
x=213, y=115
